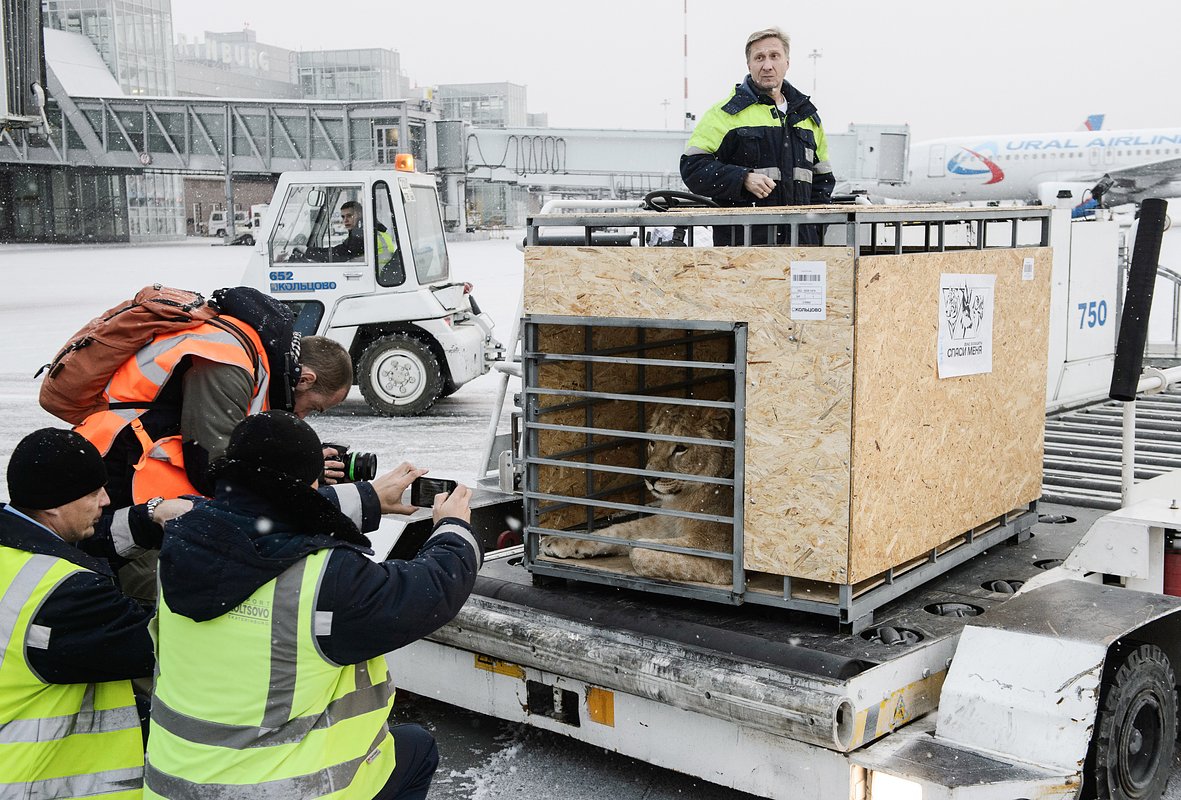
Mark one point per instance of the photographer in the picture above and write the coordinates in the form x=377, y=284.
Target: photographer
x=299, y=619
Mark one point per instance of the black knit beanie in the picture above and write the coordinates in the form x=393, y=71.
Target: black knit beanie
x=276, y=456
x=52, y=467
x=279, y=441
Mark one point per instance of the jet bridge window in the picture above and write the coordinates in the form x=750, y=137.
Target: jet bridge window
x=319, y=224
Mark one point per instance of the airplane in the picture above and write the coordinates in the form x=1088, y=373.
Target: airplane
x=1124, y=166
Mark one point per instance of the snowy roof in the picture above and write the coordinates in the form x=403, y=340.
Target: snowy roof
x=78, y=65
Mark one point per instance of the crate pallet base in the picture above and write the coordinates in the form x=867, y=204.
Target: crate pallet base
x=852, y=605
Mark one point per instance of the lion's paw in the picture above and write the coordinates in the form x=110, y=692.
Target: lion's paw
x=564, y=547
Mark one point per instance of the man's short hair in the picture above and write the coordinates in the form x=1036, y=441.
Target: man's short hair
x=768, y=33
x=330, y=361
x=351, y=204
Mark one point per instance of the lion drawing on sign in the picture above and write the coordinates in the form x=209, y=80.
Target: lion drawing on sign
x=679, y=494
x=963, y=311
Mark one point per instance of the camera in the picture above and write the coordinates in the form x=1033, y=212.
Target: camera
x=424, y=489
x=357, y=466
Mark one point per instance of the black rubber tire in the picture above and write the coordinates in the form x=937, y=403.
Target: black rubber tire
x=399, y=376
x=1136, y=727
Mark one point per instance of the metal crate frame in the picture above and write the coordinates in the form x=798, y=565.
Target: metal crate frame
x=933, y=220
x=533, y=424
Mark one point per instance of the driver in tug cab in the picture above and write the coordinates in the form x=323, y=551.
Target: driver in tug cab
x=353, y=247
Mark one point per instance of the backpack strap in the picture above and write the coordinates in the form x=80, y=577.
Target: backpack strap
x=243, y=339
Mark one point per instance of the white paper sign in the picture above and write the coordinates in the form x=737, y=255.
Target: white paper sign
x=966, y=309
x=1027, y=269
x=809, y=290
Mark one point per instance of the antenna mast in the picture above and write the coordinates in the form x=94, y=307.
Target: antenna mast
x=687, y=119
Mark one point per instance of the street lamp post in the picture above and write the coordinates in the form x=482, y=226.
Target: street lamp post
x=815, y=55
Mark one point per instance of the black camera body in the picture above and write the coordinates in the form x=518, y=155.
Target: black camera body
x=357, y=466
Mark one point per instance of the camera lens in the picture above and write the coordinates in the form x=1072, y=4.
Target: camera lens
x=361, y=466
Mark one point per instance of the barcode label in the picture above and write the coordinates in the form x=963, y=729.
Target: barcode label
x=809, y=290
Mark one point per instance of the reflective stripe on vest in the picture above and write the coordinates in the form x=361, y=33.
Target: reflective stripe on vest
x=246, y=705
x=58, y=740
x=140, y=379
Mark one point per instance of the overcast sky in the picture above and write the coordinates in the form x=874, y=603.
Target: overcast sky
x=946, y=67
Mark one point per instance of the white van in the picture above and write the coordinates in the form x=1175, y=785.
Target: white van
x=217, y=222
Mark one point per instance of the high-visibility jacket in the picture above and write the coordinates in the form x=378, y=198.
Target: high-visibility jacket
x=139, y=382
x=246, y=705
x=57, y=740
x=385, y=248
x=746, y=133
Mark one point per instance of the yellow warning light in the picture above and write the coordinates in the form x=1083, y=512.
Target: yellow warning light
x=404, y=162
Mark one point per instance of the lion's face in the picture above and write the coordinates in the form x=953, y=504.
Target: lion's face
x=687, y=458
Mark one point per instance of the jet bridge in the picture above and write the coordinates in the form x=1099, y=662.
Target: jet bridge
x=212, y=135
x=620, y=164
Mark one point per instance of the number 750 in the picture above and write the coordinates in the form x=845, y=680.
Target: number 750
x=1092, y=314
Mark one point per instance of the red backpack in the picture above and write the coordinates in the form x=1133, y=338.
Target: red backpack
x=78, y=376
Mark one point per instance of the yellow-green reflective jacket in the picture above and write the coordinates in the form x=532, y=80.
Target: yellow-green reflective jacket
x=247, y=706
x=747, y=133
x=385, y=248
x=57, y=740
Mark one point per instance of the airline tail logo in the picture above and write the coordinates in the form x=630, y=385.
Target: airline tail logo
x=977, y=162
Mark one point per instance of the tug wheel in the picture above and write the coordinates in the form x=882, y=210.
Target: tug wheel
x=399, y=376
x=1136, y=727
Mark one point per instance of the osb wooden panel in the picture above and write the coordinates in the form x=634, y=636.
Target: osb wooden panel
x=933, y=458
x=799, y=374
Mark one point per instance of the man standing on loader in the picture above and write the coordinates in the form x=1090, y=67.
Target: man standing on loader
x=762, y=146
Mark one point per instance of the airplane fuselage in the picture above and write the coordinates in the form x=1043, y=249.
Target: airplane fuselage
x=1012, y=167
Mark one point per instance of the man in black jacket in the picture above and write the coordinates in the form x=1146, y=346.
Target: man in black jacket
x=351, y=249
x=273, y=625
x=70, y=642
x=761, y=146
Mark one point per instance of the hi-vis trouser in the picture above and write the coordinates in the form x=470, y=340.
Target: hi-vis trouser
x=57, y=740
x=247, y=706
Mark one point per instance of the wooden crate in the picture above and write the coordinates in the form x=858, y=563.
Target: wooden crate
x=858, y=457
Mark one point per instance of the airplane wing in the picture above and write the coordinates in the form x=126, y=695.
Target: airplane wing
x=1133, y=182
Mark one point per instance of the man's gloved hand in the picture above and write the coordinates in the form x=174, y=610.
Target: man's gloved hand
x=391, y=486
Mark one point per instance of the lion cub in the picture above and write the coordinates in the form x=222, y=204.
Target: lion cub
x=679, y=494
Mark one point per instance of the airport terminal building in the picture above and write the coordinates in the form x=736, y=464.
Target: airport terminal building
x=149, y=136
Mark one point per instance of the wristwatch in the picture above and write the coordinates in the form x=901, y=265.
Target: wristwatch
x=151, y=506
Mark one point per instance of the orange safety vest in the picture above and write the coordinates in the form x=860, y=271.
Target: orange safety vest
x=160, y=471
